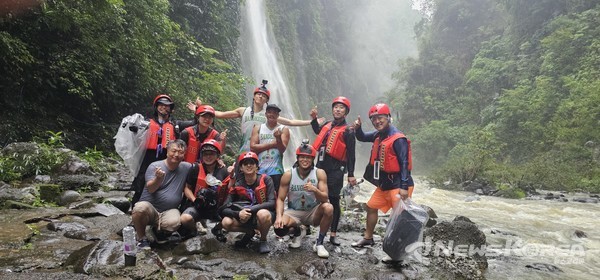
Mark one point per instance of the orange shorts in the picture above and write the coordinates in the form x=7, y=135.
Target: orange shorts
x=385, y=200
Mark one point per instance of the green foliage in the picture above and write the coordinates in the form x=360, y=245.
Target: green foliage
x=475, y=156
x=508, y=191
x=528, y=83
x=80, y=66
x=8, y=172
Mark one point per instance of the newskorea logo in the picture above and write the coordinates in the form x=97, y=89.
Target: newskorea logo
x=562, y=254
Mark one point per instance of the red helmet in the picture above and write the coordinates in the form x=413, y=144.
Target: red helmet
x=163, y=99
x=343, y=100
x=306, y=150
x=246, y=155
x=264, y=90
x=211, y=145
x=203, y=109
x=379, y=109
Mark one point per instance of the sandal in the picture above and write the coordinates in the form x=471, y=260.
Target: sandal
x=364, y=242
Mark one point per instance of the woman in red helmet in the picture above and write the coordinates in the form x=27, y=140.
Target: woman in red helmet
x=335, y=144
x=389, y=167
x=250, y=204
x=194, y=136
x=205, y=194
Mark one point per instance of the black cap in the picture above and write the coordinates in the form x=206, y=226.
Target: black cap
x=274, y=107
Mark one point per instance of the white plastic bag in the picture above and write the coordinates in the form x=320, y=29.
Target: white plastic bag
x=130, y=141
x=404, y=228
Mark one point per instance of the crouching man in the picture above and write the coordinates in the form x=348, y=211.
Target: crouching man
x=250, y=204
x=305, y=187
x=160, y=199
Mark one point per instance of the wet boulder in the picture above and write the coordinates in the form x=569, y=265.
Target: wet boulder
x=121, y=203
x=68, y=197
x=78, y=182
x=74, y=165
x=447, y=245
x=198, y=245
x=544, y=267
x=318, y=269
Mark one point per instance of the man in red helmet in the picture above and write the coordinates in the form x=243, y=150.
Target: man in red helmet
x=206, y=189
x=194, y=136
x=305, y=188
x=162, y=129
x=388, y=169
x=250, y=204
x=335, y=144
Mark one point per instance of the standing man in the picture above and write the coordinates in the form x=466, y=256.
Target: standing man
x=335, y=145
x=389, y=167
x=160, y=199
x=305, y=188
x=250, y=204
x=204, y=193
x=194, y=136
x=269, y=140
x=162, y=130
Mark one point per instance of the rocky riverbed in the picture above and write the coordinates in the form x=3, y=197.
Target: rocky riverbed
x=80, y=239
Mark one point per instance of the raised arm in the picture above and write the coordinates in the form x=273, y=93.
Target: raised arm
x=233, y=114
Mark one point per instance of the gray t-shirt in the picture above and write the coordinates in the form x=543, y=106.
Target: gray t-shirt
x=169, y=194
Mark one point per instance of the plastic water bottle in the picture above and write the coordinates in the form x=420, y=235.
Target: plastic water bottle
x=129, y=246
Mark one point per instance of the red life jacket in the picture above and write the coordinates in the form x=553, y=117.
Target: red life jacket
x=335, y=146
x=168, y=133
x=387, y=157
x=193, y=145
x=260, y=192
x=222, y=190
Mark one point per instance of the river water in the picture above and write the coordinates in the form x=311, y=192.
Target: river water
x=526, y=232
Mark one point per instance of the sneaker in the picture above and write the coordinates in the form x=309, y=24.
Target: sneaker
x=263, y=247
x=364, y=242
x=201, y=229
x=144, y=244
x=321, y=251
x=333, y=240
x=298, y=235
x=217, y=231
x=166, y=237
x=244, y=241
x=389, y=260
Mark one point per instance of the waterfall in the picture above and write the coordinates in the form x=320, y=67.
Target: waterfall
x=261, y=60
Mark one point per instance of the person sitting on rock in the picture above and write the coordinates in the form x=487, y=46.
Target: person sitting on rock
x=305, y=188
x=160, y=199
x=205, y=190
x=250, y=204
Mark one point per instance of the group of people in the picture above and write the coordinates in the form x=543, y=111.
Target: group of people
x=183, y=182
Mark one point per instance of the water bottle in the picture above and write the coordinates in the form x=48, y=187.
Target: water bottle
x=129, y=246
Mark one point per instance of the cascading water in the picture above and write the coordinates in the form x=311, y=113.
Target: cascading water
x=262, y=61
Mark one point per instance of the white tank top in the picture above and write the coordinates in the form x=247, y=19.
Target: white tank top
x=298, y=198
x=271, y=160
x=248, y=123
